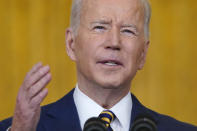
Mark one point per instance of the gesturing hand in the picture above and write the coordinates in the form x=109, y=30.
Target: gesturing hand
x=30, y=95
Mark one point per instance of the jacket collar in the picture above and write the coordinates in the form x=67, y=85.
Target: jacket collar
x=138, y=109
x=62, y=115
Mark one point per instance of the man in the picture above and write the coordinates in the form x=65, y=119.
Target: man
x=108, y=40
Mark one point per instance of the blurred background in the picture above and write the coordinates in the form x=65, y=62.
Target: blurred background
x=34, y=30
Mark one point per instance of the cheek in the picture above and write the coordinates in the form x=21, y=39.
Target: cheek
x=92, y=45
x=132, y=55
x=85, y=49
x=132, y=50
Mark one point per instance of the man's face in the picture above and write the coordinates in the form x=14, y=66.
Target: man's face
x=109, y=47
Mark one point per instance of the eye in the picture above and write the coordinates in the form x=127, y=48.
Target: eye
x=99, y=28
x=128, y=32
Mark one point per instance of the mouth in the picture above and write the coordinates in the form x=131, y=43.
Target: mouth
x=110, y=62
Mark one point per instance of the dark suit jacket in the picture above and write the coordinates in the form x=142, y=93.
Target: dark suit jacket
x=62, y=116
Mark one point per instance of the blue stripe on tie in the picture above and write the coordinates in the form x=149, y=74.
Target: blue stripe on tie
x=106, y=115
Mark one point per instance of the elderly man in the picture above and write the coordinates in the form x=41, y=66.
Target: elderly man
x=108, y=41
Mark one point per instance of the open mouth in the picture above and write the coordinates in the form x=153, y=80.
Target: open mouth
x=110, y=62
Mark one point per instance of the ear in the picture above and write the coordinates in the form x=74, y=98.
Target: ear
x=143, y=55
x=70, y=44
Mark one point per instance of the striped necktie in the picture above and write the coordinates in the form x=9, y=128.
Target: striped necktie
x=107, y=116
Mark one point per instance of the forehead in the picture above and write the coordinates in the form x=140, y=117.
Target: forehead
x=115, y=10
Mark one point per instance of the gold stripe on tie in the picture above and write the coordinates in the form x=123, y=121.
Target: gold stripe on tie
x=106, y=119
x=107, y=125
x=106, y=112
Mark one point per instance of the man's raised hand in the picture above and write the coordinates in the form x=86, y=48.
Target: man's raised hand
x=31, y=93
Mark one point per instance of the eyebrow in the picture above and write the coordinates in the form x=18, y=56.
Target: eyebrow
x=130, y=25
x=105, y=22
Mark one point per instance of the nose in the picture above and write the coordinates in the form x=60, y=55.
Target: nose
x=114, y=42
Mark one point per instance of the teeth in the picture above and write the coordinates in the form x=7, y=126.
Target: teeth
x=111, y=64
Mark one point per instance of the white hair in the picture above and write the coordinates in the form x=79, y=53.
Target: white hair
x=76, y=10
x=147, y=9
x=75, y=14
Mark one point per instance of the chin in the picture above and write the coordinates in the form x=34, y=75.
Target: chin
x=111, y=80
x=110, y=83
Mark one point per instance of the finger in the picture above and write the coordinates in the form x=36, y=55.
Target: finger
x=36, y=88
x=39, y=98
x=30, y=81
x=35, y=68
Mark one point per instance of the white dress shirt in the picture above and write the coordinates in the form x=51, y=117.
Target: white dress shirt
x=88, y=108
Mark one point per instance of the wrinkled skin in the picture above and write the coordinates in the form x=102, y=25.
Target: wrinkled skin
x=30, y=95
x=109, y=30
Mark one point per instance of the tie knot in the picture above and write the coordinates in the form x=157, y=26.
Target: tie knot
x=107, y=116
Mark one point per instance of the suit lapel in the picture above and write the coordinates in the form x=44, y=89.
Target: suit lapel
x=62, y=115
x=139, y=109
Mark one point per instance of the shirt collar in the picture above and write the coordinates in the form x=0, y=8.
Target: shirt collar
x=122, y=110
x=88, y=108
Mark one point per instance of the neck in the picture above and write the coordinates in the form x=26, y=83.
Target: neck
x=106, y=97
